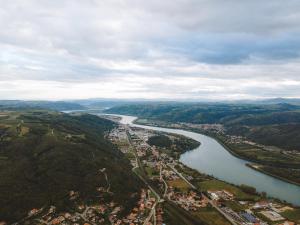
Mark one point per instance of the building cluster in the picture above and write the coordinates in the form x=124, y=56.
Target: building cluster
x=108, y=212
x=118, y=134
x=271, y=210
x=190, y=201
x=254, y=212
x=101, y=213
x=159, y=216
x=169, y=175
x=220, y=194
x=140, y=213
x=215, y=128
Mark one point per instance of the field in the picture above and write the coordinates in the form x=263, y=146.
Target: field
x=151, y=171
x=235, y=206
x=292, y=215
x=258, y=154
x=177, y=216
x=211, y=216
x=179, y=184
x=219, y=185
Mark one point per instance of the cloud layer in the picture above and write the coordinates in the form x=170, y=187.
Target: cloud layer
x=179, y=49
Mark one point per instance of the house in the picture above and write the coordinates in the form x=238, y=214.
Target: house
x=249, y=217
x=261, y=205
x=213, y=196
x=272, y=215
x=287, y=223
x=33, y=212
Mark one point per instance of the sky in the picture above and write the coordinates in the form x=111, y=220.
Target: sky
x=170, y=49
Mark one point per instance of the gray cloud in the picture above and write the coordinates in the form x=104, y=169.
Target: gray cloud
x=212, y=43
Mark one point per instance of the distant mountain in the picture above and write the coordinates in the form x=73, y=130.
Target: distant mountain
x=268, y=101
x=201, y=112
x=108, y=103
x=99, y=103
x=45, y=155
x=53, y=105
x=292, y=101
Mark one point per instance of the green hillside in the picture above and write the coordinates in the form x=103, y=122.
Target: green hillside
x=44, y=155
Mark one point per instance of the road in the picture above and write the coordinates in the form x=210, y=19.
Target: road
x=182, y=177
x=166, y=186
x=139, y=166
x=204, y=196
x=220, y=211
x=163, y=180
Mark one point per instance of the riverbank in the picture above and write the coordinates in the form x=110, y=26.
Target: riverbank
x=258, y=168
x=225, y=146
x=234, y=199
x=213, y=159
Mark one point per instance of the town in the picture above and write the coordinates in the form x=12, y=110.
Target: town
x=169, y=185
x=169, y=176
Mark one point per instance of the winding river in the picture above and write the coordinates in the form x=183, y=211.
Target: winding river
x=212, y=158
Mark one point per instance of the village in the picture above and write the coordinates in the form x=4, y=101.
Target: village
x=218, y=130
x=84, y=214
x=165, y=181
x=178, y=187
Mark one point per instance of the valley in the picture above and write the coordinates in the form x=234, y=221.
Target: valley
x=263, y=134
x=200, y=196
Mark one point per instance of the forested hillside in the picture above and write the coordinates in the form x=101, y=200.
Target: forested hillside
x=44, y=155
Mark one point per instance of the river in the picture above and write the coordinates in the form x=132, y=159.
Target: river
x=213, y=159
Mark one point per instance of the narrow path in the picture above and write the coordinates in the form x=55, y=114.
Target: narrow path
x=106, y=178
x=165, y=183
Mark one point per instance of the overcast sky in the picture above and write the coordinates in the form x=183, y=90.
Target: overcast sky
x=166, y=49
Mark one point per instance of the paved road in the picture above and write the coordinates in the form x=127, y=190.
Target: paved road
x=165, y=183
x=157, y=195
x=181, y=176
x=210, y=201
x=158, y=199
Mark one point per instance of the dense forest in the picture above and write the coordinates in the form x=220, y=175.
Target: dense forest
x=44, y=155
x=173, y=144
x=162, y=141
